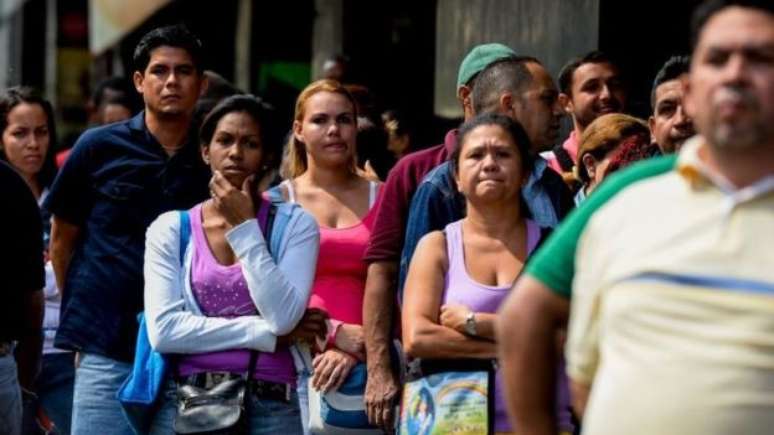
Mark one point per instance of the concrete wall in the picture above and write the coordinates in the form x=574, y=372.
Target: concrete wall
x=328, y=33
x=551, y=30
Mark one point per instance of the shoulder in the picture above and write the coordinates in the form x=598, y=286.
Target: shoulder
x=16, y=191
x=441, y=174
x=432, y=245
x=300, y=222
x=420, y=156
x=98, y=138
x=277, y=194
x=554, y=263
x=12, y=181
x=646, y=193
x=103, y=133
x=164, y=227
x=413, y=161
x=623, y=181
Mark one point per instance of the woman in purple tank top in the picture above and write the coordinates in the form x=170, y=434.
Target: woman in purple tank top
x=228, y=296
x=459, y=277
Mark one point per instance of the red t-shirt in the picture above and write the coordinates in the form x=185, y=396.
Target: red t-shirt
x=390, y=226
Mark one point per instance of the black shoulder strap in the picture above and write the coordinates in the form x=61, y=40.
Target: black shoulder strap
x=563, y=157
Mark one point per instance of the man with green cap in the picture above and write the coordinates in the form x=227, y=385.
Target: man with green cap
x=384, y=249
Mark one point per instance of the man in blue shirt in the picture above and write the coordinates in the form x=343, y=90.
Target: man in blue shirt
x=521, y=88
x=117, y=180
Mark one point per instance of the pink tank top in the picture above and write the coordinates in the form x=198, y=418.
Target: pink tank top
x=339, y=282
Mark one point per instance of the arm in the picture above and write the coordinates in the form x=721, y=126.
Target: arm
x=24, y=276
x=30, y=343
x=172, y=329
x=70, y=202
x=280, y=290
x=582, y=346
x=527, y=327
x=455, y=317
x=349, y=338
x=379, y=299
x=580, y=396
x=423, y=335
x=422, y=218
x=64, y=237
x=378, y=306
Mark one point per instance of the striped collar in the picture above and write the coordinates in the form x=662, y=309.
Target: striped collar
x=700, y=175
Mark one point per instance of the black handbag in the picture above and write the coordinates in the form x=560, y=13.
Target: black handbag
x=216, y=408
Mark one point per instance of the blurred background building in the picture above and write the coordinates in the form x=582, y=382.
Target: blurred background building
x=406, y=52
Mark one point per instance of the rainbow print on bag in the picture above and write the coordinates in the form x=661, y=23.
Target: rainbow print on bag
x=446, y=403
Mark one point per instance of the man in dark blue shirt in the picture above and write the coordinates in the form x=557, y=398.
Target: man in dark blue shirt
x=117, y=180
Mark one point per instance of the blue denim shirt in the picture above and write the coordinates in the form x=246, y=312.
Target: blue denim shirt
x=116, y=181
x=437, y=203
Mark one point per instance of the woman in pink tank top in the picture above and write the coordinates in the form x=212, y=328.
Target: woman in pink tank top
x=321, y=175
x=459, y=277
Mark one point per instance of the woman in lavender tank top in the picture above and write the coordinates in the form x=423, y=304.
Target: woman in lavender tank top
x=229, y=296
x=459, y=277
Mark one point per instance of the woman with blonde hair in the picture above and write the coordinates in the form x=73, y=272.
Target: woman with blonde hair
x=321, y=175
x=599, y=143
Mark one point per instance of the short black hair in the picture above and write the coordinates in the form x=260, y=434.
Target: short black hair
x=512, y=127
x=673, y=68
x=16, y=95
x=262, y=113
x=125, y=93
x=568, y=70
x=507, y=74
x=709, y=8
x=177, y=36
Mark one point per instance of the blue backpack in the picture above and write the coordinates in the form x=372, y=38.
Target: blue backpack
x=139, y=393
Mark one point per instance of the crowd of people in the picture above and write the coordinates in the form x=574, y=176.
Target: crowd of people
x=195, y=264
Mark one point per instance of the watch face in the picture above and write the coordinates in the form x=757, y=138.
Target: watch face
x=470, y=324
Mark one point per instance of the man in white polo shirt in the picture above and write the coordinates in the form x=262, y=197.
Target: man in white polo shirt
x=669, y=265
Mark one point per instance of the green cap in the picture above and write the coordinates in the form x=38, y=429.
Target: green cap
x=479, y=58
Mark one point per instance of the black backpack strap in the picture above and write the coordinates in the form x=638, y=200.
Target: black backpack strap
x=563, y=157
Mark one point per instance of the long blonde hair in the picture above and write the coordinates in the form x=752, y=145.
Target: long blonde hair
x=294, y=161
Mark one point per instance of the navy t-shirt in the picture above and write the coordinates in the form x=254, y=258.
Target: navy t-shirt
x=116, y=181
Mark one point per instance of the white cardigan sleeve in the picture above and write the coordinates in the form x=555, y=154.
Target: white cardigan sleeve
x=280, y=291
x=174, y=329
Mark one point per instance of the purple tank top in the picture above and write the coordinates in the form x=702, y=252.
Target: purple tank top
x=221, y=291
x=461, y=288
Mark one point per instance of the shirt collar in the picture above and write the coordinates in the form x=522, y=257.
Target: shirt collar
x=699, y=175
x=571, y=145
x=137, y=122
x=450, y=140
x=137, y=125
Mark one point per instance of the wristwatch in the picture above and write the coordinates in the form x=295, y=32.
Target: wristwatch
x=470, y=323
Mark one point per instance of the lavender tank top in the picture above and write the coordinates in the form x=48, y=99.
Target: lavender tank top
x=221, y=291
x=461, y=288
